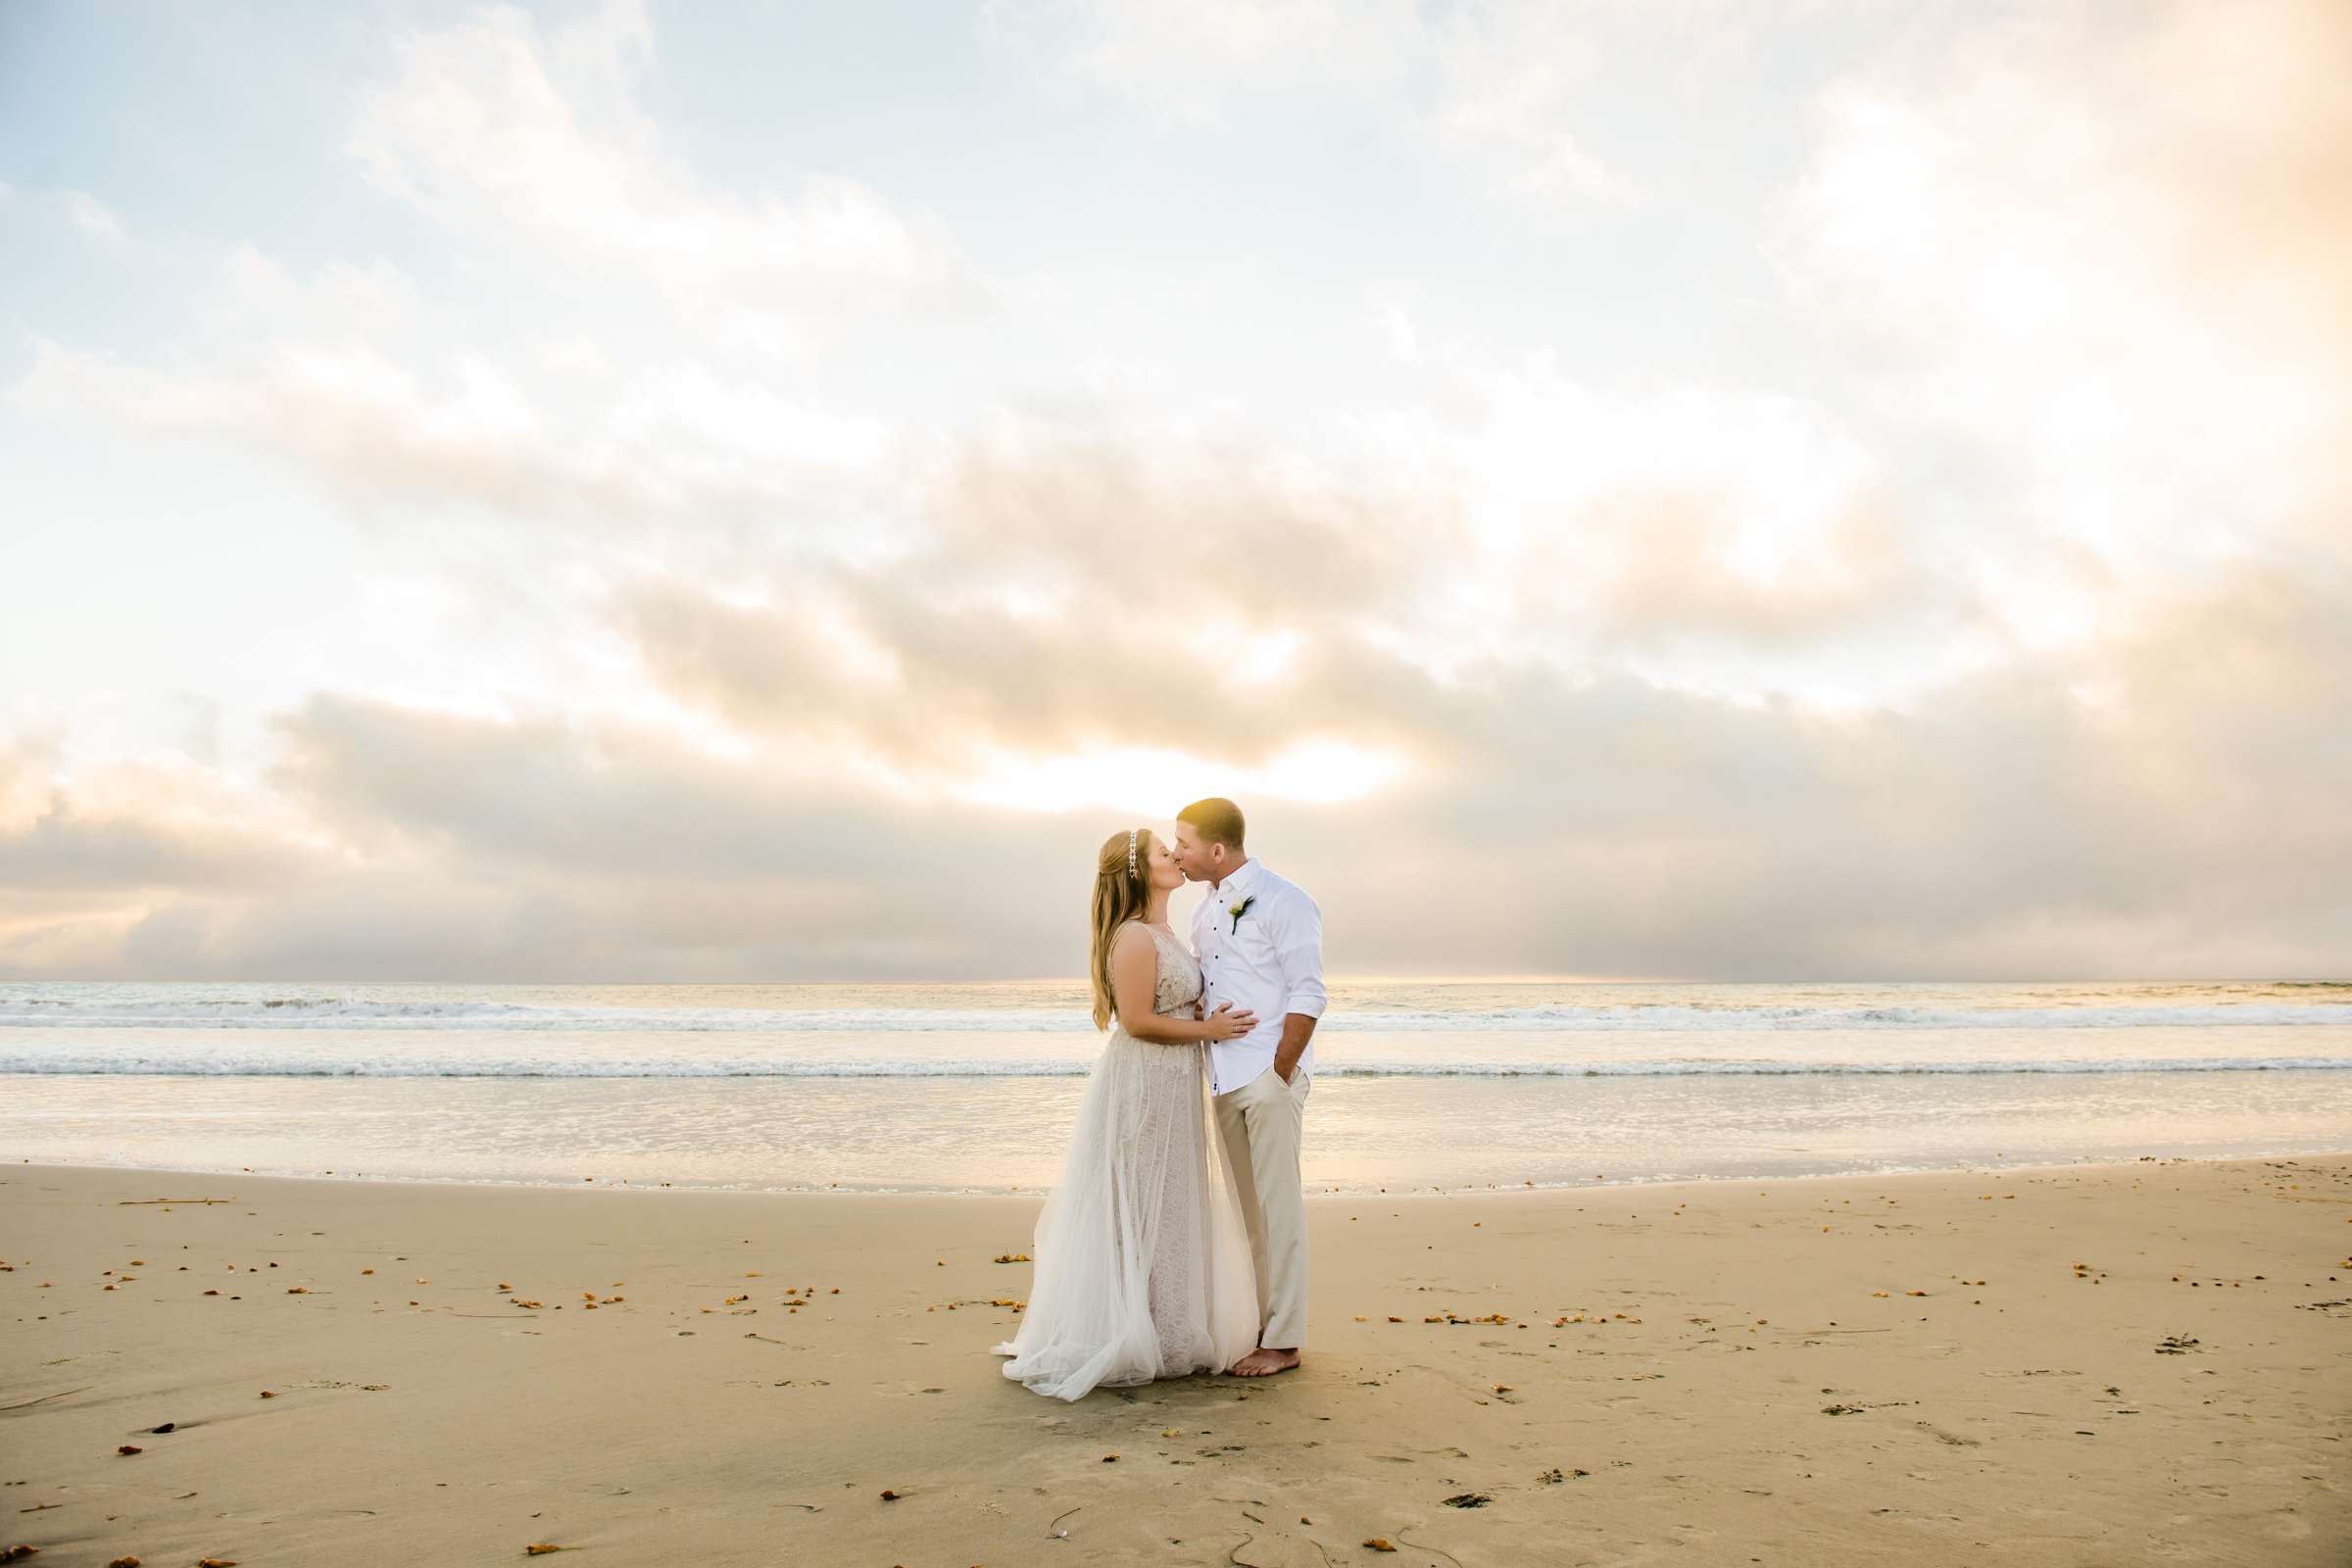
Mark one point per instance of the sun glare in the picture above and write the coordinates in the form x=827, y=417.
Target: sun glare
x=1155, y=780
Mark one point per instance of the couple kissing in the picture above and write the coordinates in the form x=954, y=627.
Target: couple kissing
x=1175, y=1241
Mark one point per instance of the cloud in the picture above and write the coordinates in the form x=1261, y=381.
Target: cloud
x=1515, y=79
x=1517, y=89
x=2103, y=263
x=2149, y=799
x=84, y=858
x=1078, y=583
x=254, y=295
x=133, y=824
x=345, y=410
x=495, y=130
x=1184, y=62
x=2011, y=827
x=365, y=417
x=2146, y=810
x=92, y=216
x=61, y=850
x=501, y=847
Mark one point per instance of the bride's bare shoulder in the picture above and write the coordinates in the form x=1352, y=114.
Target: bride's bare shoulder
x=1131, y=934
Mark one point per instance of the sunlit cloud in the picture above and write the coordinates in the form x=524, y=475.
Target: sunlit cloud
x=1517, y=81
x=1157, y=780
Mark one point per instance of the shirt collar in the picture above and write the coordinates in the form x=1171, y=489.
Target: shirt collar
x=1241, y=884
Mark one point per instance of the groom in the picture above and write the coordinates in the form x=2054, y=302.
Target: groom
x=1259, y=940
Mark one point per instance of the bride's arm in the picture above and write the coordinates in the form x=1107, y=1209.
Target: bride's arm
x=1134, y=984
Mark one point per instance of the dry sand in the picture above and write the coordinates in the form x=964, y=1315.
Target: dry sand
x=2132, y=1364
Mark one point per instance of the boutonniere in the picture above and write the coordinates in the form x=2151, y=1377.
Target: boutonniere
x=1236, y=911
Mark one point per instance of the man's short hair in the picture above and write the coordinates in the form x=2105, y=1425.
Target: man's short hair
x=1215, y=820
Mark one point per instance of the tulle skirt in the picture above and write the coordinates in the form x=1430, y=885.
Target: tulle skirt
x=1142, y=1259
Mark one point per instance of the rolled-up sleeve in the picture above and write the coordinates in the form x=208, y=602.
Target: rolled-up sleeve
x=1298, y=932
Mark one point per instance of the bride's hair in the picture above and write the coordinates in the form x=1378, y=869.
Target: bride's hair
x=1122, y=893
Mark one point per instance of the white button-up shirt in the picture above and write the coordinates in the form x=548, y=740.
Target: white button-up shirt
x=1270, y=963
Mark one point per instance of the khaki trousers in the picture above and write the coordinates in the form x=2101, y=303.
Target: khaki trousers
x=1260, y=1124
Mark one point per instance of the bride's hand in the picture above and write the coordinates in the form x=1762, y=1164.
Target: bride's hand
x=1226, y=1023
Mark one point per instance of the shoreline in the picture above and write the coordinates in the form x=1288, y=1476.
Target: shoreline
x=1313, y=1194
x=2069, y=1365
x=910, y=1135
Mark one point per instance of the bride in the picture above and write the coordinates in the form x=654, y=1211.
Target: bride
x=1143, y=1265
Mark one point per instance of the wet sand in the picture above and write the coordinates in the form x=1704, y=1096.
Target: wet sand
x=2138, y=1363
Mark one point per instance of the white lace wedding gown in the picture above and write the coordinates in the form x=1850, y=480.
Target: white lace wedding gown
x=1142, y=1260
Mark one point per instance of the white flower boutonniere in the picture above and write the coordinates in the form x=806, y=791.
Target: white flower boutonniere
x=1236, y=911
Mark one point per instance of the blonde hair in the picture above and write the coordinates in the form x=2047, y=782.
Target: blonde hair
x=1215, y=820
x=1122, y=893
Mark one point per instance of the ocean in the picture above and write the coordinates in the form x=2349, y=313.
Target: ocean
x=1420, y=1085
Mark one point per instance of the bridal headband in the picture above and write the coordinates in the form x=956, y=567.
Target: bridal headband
x=1130, y=852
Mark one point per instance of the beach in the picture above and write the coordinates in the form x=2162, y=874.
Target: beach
x=1731, y=623
x=2136, y=1362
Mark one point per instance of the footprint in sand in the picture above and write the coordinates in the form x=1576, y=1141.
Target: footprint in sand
x=1954, y=1438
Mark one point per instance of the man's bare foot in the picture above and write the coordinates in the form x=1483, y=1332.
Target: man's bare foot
x=1263, y=1363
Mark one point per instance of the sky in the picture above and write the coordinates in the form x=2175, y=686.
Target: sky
x=1716, y=489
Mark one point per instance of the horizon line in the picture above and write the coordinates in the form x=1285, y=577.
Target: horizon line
x=1333, y=979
